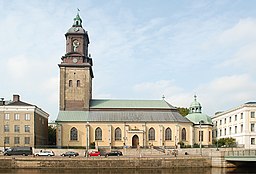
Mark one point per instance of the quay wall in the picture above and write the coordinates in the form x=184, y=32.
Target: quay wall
x=111, y=162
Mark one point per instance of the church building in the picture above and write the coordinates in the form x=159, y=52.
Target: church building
x=83, y=120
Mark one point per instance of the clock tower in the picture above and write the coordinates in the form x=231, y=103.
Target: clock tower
x=76, y=70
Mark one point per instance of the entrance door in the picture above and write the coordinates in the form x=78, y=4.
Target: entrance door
x=135, y=141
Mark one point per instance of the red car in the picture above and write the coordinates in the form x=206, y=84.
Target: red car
x=94, y=153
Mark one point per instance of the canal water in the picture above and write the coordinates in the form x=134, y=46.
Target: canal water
x=132, y=171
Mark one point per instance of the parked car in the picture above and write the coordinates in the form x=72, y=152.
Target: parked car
x=114, y=153
x=19, y=151
x=45, y=153
x=94, y=153
x=70, y=153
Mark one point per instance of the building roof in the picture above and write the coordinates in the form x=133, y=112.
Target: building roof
x=19, y=103
x=129, y=104
x=121, y=116
x=196, y=118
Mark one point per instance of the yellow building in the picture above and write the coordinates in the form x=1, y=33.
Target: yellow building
x=22, y=124
x=110, y=123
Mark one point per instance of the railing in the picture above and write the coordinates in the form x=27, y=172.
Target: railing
x=240, y=153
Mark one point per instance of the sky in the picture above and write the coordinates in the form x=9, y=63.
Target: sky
x=140, y=49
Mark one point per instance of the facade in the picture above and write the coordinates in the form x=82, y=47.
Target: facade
x=83, y=120
x=238, y=123
x=202, y=124
x=22, y=124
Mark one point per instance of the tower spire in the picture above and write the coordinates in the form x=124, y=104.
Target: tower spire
x=77, y=20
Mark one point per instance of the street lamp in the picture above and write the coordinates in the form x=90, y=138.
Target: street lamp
x=200, y=136
x=217, y=140
x=87, y=139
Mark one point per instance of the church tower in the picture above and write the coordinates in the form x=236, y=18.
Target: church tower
x=76, y=70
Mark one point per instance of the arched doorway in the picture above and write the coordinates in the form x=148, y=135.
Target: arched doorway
x=135, y=141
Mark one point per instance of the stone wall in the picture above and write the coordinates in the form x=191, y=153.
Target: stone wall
x=114, y=162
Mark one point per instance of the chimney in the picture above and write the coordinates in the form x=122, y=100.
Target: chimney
x=2, y=102
x=16, y=98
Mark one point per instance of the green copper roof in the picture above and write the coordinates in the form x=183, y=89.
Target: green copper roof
x=73, y=116
x=197, y=117
x=130, y=104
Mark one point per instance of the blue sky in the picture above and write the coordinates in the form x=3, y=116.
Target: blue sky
x=141, y=50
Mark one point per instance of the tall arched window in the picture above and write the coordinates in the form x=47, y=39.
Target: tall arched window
x=78, y=83
x=151, y=134
x=70, y=83
x=118, y=134
x=98, y=134
x=168, y=134
x=183, y=134
x=73, y=133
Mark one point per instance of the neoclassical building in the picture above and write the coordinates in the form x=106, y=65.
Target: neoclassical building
x=83, y=120
x=239, y=123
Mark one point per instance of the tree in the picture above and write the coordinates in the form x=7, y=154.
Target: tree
x=183, y=111
x=225, y=142
x=51, y=135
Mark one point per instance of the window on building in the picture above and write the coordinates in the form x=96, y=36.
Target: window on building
x=216, y=123
x=16, y=128
x=27, y=128
x=78, y=83
x=252, y=114
x=98, y=134
x=27, y=140
x=209, y=136
x=73, y=134
x=151, y=134
x=252, y=141
x=225, y=131
x=27, y=116
x=201, y=136
x=118, y=134
x=16, y=116
x=242, y=127
x=42, y=121
x=183, y=134
x=235, y=117
x=230, y=119
x=16, y=140
x=216, y=133
x=252, y=127
x=6, y=128
x=6, y=140
x=225, y=121
x=235, y=129
x=229, y=130
x=220, y=132
x=220, y=122
x=7, y=116
x=168, y=134
x=70, y=83
x=242, y=115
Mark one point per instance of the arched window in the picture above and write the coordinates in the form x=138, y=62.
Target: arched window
x=168, y=134
x=118, y=134
x=183, y=134
x=151, y=134
x=98, y=134
x=73, y=133
x=78, y=83
x=70, y=83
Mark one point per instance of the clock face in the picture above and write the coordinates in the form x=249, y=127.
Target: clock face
x=75, y=60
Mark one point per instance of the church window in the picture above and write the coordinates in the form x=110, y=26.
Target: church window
x=70, y=83
x=78, y=83
x=183, y=134
x=201, y=136
x=151, y=134
x=118, y=134
x=98, y=134
x=168, y=134
x=73, y=134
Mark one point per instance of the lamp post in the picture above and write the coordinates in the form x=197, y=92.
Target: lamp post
x=200, y=136
x=87, y=139
x=217, y=140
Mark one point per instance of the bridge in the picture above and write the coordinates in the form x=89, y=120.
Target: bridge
x=241, y=157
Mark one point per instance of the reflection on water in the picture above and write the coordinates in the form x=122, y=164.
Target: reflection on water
x=132, y=171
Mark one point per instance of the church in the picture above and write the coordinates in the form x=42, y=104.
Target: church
x=111, y=123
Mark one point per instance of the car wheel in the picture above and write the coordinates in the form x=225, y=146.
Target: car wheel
x=37, y=155
x=118, y=155
x=49, y=155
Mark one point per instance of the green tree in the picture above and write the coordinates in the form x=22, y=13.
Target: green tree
x=51, y=135
x=183, y=111
x=227, y=142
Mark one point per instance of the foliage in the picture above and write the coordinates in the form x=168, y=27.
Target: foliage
x=92, y=145
x=51, y=135
x=183, y=111
x=196, y=145
x=225, y=142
